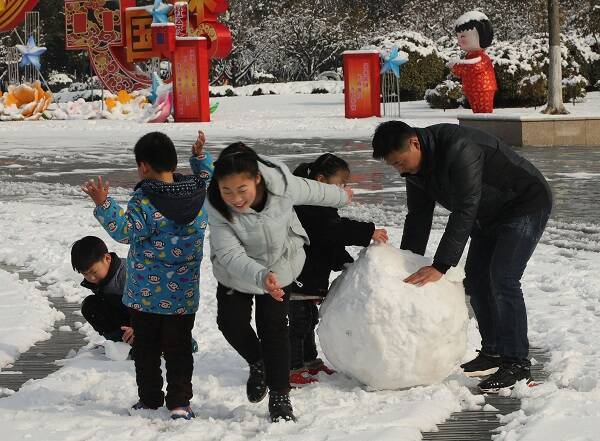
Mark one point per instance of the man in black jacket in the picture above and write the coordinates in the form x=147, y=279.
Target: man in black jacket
x=494, y=196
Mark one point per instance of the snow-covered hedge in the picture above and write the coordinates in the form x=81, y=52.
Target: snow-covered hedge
x=574, y=88
x=446, y=95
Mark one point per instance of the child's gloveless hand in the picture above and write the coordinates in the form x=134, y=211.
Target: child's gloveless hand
x=98, y=192
x=128, y=334
x=273, y=288
x=198, y=146
x=380, y=235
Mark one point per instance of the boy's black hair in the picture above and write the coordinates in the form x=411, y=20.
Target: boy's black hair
x=484, y=29
x=157, y=150
x=327, y=165
x=391, y=136
x=235, y=158
x=87, y=251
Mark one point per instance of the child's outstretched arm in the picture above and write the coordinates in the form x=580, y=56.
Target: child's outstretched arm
x=201, y=160
x=123, y=226
x=310, y=192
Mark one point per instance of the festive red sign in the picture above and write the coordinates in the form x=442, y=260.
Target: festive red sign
x=190, y=76
x=362, y=84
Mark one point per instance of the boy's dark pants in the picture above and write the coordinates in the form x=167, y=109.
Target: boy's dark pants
x=304, y=317
x=234, y=313
x=105, y=316
x=495, y=264
x=171, y=335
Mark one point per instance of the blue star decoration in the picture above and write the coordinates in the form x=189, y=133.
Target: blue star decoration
x=393, y=61
x=160, y=12
x=30, y=53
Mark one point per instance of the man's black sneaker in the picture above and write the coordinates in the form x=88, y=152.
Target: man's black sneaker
x=256, y=387
x=482, y=365
x=506, y=377
x=280, y=407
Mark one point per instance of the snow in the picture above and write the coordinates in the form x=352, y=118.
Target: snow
x=89, y=396
x=272, y=116
x=470, y=16
x=25, y=316
x=416, y=334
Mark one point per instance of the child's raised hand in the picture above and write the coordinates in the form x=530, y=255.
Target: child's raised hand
x=273, y=288
x=380, y=235
x=198, y=146
x=97, y=191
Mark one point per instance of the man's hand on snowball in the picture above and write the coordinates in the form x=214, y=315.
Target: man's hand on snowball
x=424, y=276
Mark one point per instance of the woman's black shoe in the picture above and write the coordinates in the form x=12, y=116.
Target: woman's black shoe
x=256, y=388
x=280, y=407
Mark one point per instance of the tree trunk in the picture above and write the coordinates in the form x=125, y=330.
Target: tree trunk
x=555, y=100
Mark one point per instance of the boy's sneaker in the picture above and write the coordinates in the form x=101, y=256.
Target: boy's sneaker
x=506, y=377
x=482, y=365
x=185, y=413
x=280, y=407
x=301, y=377
x=316, y=366
x=256, y=387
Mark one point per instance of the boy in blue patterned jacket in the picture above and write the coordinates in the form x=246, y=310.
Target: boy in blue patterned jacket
x=164, y=225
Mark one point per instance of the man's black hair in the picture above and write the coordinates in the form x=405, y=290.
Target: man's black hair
x=157, y=150
x=391, y=136
x=87, y=251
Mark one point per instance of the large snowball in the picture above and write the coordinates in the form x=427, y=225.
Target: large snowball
x=386, y=333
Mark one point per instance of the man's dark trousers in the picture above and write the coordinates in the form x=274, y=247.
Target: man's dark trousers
x=495, y=264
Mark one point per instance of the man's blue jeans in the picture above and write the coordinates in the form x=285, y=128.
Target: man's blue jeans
x=495, y=264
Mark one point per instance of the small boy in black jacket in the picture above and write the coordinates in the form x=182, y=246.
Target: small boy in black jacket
x=329, y=235
x=104, y=274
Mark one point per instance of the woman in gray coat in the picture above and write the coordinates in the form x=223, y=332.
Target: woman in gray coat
x=257, y=251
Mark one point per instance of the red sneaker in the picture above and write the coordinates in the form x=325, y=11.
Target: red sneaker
x=300, y=377
x=316, y=366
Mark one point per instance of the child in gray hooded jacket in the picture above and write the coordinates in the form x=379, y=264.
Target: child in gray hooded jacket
x=257, y=248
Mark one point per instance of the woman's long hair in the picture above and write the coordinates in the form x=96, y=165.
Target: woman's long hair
x=235, y=158
x=327, y=165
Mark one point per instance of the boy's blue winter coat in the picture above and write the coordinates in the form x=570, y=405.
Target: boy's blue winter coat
x=163, y=265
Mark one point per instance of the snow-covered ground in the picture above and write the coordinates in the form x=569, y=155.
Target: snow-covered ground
x=89, y=397
x=25, y=316
x=259, y=117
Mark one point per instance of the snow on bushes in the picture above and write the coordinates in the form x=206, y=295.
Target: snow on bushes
x=446, y=95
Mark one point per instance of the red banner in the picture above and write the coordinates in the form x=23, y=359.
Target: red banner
x=190, y=76
x=362, y=84
x=13, y=13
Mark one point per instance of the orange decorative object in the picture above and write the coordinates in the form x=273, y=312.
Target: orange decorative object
x=29, y=101
x=362, y=84
x=478, y=81
x=12, y=13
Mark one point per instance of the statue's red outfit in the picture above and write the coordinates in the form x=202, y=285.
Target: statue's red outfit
x=478, y=81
